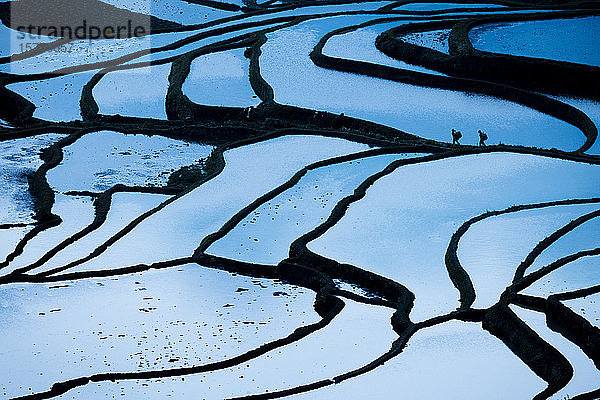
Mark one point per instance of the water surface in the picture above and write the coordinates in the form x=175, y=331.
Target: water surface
x=18, y=159
x=429, y=113
x=156, y=320
x=401, y=229
x=220, y=79
x=573, y=40
x=250, y=171
x=99, y=160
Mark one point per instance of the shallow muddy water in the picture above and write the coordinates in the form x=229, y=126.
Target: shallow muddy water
x=573, y=276
x=75, y=212
x=18, y=158
x=355, y=337
x=97, y=161
x=13, y=42
x=171, y=318
x=56, y=99
x=9, y=238
x=80, y=53
x=587, y=307
x=180, y=11
x=436, y=40
x=77, y=52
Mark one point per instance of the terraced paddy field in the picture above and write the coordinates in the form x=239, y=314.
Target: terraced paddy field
x=264, y=199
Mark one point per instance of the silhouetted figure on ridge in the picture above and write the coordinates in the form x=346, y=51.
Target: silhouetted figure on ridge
x=482, y=138
x=456, y=135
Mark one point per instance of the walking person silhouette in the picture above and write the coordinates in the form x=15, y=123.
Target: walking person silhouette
x=482, y=138
x=456, y=135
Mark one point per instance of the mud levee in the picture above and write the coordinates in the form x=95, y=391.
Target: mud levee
x=575, y=328
x=544, y=360
x=536, y=74
x=387, y=43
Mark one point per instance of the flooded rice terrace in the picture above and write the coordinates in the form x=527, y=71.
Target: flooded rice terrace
x=302, y=199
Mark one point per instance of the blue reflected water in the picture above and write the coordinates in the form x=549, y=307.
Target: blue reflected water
x=429, y=113
x=402, y=227
x=220, y=79
x=574, y=40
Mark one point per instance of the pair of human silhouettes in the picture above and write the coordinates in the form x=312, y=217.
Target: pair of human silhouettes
x=456, y=135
